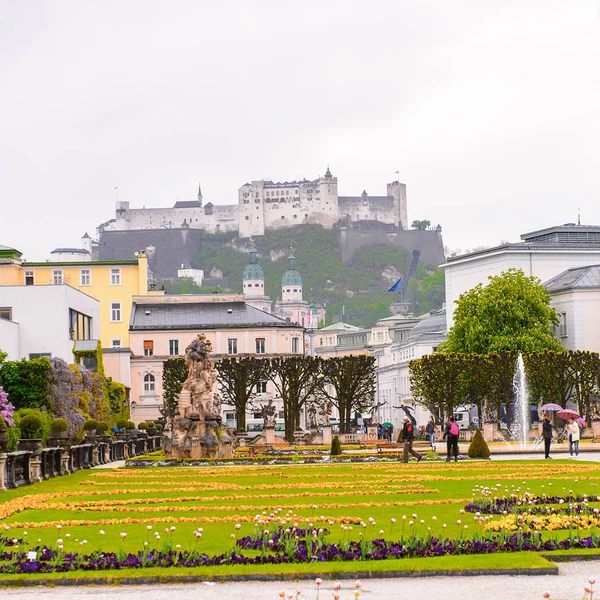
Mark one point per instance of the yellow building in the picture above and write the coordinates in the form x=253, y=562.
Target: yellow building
x=112, y=283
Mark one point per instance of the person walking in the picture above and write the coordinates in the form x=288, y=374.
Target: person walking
x=547, y=434
x=573, y=430
x=430, y=430
x=451, y=437
x=408, y=435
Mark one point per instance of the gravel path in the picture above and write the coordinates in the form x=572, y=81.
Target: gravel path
x=568, y=585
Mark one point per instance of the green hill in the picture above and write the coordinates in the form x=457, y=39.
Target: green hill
x=359, y=287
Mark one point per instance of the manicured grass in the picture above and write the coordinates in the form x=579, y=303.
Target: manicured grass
x=130, y=500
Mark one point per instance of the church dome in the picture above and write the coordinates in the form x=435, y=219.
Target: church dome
x=253, y=270
x=291, y=276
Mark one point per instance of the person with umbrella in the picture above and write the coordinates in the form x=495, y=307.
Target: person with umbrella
x=547, y=434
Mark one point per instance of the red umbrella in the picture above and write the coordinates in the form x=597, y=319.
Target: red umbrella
x=567, y=413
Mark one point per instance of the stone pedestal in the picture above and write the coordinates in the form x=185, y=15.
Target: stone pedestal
x=596, y=428
x=371, y=433
x=327, y=435
x=64, y=462
x=35, y=469
x=269, y=433
x=488, y=431
x=3, y=471
x=242, y=438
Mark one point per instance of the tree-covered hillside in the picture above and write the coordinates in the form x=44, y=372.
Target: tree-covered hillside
x=358, y=288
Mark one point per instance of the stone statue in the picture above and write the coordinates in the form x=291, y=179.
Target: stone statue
x=269, y=414
x=373, y=410
x=312, y=416
x=326, y=411
x=197, y=430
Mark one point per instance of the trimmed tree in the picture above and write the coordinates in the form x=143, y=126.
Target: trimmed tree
x=238, y=380
x=349, y=383
x=478, y=448
x=174, y=374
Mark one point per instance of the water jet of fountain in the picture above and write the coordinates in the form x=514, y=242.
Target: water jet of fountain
x=521, y=404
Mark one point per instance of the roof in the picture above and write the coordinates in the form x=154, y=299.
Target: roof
x=291, y=277
x=569, y=232
x=83, y=345
x=575, y=278
x=201, y=316
x=253, y=271
x=70, y=250
x=187, y=204
x=339, y=326
x=435, y=323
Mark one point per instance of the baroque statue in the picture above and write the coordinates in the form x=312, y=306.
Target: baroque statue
x=198, y=430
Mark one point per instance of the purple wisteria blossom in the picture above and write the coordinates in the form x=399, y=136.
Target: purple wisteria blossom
x=7, y=410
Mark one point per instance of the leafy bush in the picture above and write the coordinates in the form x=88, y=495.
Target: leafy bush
x=478, y=447
x=159, y=427
x=27, y=382
x=336, y=446
x=102, y=427
x=90, y=425
x=3, y=426
x=59, y=426
x=142, y=426
x=130, y=425
x=42, y=432
x=122, y=423
x=31, y=426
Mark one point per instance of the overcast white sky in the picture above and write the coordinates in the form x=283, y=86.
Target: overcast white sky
x=489, y=109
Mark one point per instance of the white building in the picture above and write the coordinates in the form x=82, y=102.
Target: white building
x=575, y=296
x=188, y=272
x=393, y=377
x=46, y=320
x=266, y=205
x=543, y=254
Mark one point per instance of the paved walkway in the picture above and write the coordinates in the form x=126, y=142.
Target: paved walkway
x=568, y=585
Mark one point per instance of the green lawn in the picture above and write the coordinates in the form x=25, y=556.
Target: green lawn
x=330, y=496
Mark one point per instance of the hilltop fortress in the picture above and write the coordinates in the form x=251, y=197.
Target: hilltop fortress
x=264, y=205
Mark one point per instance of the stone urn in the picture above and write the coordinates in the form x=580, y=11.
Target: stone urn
x=152, y=431
x=33, y=445
x=60, y=441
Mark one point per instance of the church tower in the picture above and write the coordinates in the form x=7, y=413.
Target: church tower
x=254, y=283
x=291, y=282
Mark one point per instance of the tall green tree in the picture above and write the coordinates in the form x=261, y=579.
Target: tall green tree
x=295, y=379
x=501, y=370
x=349, y=383
x=238, y=379
x=512, y=312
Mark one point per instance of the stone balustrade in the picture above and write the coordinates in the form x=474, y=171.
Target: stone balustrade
x=24, y=467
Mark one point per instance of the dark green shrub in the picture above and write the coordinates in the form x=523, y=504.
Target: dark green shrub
x=478, y=447
x=90, y=425
x=102, y=427
x=159, y=427
x=130, y=425
x=336, y=446
x=122, y=423
x=59, y=426
x=143, y=426
x=43, y=432
x=31, y=426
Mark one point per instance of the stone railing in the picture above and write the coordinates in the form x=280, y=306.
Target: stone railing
x=30, y=466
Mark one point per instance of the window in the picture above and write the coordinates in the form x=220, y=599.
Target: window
x=320, y=341
x=563, y=325
x=149, y=382
x=115, y=277
x=232, y=346
x=148, y=347
x=6, y=313
x=173, y=347
x=257, y=415
x=80, y=325
x=261, y=387
x=116, y=343
x=39, y=355
x=85, y=277
x=115, y=312
x=260, y=345
x=29, y=278
x=57, y=277
x=295, y=345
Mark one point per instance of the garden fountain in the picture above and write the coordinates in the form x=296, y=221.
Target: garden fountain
x=521, y=428
x=197, y=430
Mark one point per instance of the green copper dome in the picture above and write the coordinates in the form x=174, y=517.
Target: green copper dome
x=253, y=270
x=291, y=276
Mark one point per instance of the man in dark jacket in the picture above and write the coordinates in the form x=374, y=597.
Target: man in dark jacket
x=547, y=434
x=408, y=435
x=451, y=436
